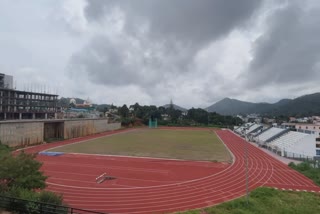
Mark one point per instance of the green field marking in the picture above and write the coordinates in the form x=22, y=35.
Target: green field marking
x=158, y=143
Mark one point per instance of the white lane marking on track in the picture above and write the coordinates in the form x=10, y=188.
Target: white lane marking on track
x=109, y=167
x=242, y=164
x=211, y=201
x=164, y=185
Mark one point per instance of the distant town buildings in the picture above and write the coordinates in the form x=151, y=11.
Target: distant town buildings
x=80, y=110
x=250, y=118
x=303, y=127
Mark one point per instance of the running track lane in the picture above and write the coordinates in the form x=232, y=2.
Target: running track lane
x=226, y=185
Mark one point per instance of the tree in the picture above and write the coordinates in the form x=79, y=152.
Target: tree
x=174, y=114
x=162, y=110
x=21, y=171
x=198, y=115
x=20, y=176
x=124, y=111
x=135, y=107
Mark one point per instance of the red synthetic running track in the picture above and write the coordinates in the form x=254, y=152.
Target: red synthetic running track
x=187, y=191
x=81, y=170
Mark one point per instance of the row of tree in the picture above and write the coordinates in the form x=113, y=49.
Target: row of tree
x=169, y=115
x=173, y=116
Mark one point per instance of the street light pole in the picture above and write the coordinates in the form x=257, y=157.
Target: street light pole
x=247, y=171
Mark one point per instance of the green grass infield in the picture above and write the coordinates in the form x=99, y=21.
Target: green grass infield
x=158, y=143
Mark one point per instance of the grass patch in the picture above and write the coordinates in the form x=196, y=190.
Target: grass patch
x=50, y=140
x=265, y=201
x=307, y=169
x=178, y=144
x=4, y=149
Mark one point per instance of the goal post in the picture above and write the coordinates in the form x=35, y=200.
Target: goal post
x=153, y=122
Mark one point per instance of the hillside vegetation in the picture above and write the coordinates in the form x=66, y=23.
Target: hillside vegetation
x=309, y=171
x=266, y=201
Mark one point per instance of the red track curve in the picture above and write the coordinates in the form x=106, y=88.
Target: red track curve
x=221, y=186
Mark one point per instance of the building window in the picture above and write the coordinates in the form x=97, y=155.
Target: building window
x=318, y=152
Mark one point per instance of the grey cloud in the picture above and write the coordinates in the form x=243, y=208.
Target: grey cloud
x=194, y=21
x=96, y=9
x=288, y=51
x=103, y=62
x=144, y=63
x=177, y=30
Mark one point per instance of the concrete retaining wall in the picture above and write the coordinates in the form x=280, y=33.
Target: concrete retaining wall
x=24, y=133
x=81, y=128
x=21, y=133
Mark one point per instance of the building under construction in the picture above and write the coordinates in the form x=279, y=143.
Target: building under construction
x=15, y=104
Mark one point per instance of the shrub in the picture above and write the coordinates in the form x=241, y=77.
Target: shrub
x=50, y=198
x=307, y=169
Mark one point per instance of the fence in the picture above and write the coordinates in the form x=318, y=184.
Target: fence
x=33, y=207
x=295, y=156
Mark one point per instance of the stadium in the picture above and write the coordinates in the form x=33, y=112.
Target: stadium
x=159, y=107
x=101, y=164
x=93, y=175
x=296, y=144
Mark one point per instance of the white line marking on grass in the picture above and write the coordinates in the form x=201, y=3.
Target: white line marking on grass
x=144, y=157
x=232, y=155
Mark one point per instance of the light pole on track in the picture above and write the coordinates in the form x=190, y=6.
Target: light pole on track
x=247, y=171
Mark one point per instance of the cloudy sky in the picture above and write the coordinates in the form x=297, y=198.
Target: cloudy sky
x=151, y=51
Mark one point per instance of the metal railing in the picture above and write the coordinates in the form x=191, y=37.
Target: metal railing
x=34, y=207
x=296, y=156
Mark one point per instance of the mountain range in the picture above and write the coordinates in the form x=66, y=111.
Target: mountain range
x=306, y=105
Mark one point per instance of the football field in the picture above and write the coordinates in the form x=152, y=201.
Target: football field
x=158, y=143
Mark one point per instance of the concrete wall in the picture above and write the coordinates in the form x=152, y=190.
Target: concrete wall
x=21, y=133
x=53, y=130
x=81, y=128
x=24, y=133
